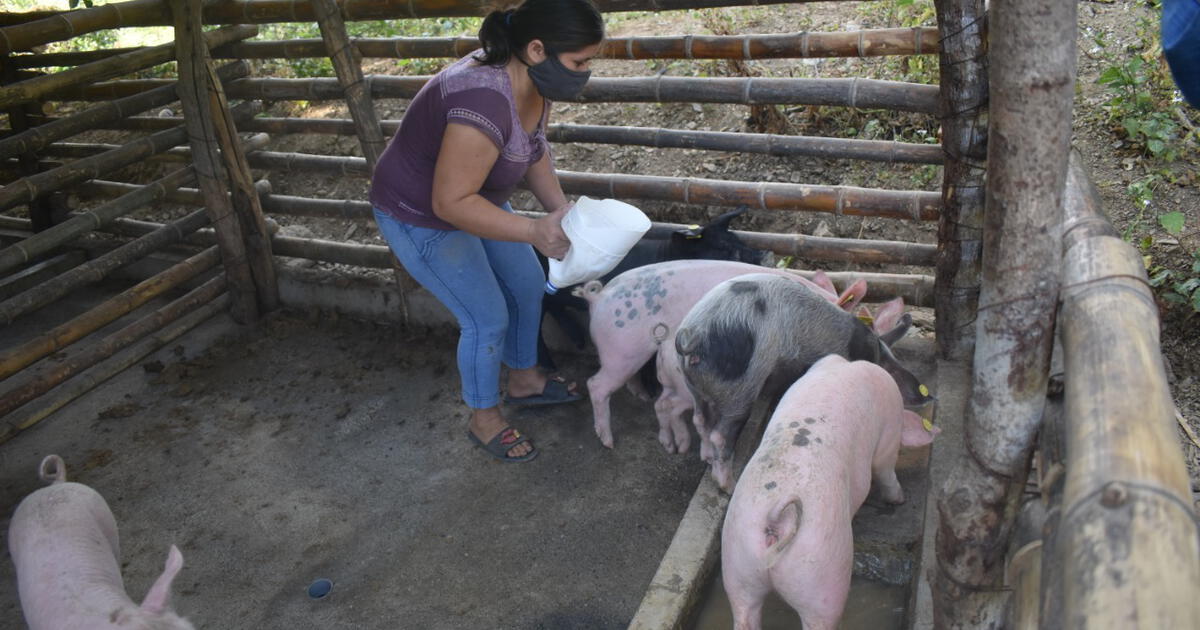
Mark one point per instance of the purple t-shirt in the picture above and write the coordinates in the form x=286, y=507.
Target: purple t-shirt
x=467, y=93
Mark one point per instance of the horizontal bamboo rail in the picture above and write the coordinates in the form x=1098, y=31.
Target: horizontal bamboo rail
x=28, y=416
x=78, y=171
x=770, y=144
x=117, y=65
x=41, y=27
x=861, y=93
x=178, y=154
x=138, y=197
x=1128, y=537
x=106, y=113
x=839, y=200
x=96, y=352
x=97, y=269
x=43, y=271
x=13, y=360
x=798, y=245
x=866, y=43
x=45, y=27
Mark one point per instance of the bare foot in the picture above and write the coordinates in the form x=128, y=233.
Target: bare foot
x=488, y=423
x=530, y=382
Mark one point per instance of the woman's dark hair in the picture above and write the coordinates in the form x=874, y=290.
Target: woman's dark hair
x=562, y=25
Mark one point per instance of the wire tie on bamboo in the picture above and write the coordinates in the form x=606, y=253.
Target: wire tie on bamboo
x=116, y=7
x=746, y=47
x=657, y=84
x=840, y=205
x=7, y=45
x=687, y=185
x=629, y=47
x=687, y=47
x=917, y=43
x=915, y=200
x=70, y=25
x=861, y=52
x=762, y=195
x=746, y=90
x=804, y=43
x=411, y=11
x=854, y=92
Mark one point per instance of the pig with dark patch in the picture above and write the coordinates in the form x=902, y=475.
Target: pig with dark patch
x=788, y=528
x=755, y=335
x=641, y=309
x=710, y=242
x=64, y=545
x=675, y=401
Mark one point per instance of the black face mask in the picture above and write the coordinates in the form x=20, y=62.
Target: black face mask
x=555, y=81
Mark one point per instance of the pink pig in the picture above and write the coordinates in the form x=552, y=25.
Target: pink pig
x=837, y=428
x=889, y=321
x=642, y=307
x=63, y=541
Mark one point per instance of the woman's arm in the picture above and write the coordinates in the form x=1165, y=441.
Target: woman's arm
x=464, y=161
x=543, y=183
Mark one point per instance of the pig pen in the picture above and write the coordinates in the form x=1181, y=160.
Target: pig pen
x=980, y=544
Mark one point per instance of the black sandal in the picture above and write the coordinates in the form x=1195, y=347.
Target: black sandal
x=502, y=443
x=555, y=392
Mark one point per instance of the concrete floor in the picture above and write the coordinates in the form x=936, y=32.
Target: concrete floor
x=305, y=447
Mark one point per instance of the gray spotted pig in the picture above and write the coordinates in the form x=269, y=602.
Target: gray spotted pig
x=755, y=335
x=63, y=541
x=642, y=307
x=788, y=526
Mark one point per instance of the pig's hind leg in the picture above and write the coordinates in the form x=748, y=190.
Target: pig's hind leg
x=883, y=473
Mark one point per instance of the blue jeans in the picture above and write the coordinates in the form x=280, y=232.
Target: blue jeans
x=494, y=289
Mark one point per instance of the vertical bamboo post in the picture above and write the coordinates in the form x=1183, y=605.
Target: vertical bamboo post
x=347, y=62
x=18, y=121
x=191, y=53
x=1032, y=85
x=964, y=91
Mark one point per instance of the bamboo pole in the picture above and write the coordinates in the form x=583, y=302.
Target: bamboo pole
x=14, y=359
x=44, y=242
x=97, y=269
x=964, y=93
x=43, y=28
x=1128, y=541
x=89, y=168
x=202, y=129
x=866, y=43
x=104, y=114
x=178, y=154
x=41, y=272
x=19, y=120
x=26, y=417
x=770, y=144
x=269, y=11
x=57, y=373
x=861, y=93
x=1031, y=87
x=347, y=64
x=117, y=65
x=839, y=200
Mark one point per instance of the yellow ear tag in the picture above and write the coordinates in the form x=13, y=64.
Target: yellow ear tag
x=846, y=298
x=694, y=236
x=927, y=424
x=924, y=390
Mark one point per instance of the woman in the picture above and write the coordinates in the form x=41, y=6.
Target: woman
x=441, y=192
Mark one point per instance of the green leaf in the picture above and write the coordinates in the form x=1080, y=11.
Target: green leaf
x=1174, y=298
x=1187, y=287
x=1172, y=222
x=1196, y=301
x=1132, y=126
x=1159, y=278
x=1156, y=146
x=1112, y=74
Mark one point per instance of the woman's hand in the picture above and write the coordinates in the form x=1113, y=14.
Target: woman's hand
x=547, y=236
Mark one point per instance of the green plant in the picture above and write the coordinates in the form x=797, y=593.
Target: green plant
x=1139, y=108
x=1179, y=286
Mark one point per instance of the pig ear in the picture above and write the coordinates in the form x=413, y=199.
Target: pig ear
x=159, y=597
x=853, y=294
x=916, y=431
x=888, y=315
x=896, y=333
x=722, y=222
x=820, y=279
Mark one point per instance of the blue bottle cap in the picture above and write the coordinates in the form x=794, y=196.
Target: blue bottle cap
x=550, y=288
x=320, y=588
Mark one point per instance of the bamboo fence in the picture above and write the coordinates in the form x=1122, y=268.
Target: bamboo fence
x=25, y=279
x=855, y=92
x=866, y=43
x=117, y=65
x=1128, y=540
x=347, y=63
x=890, y=151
